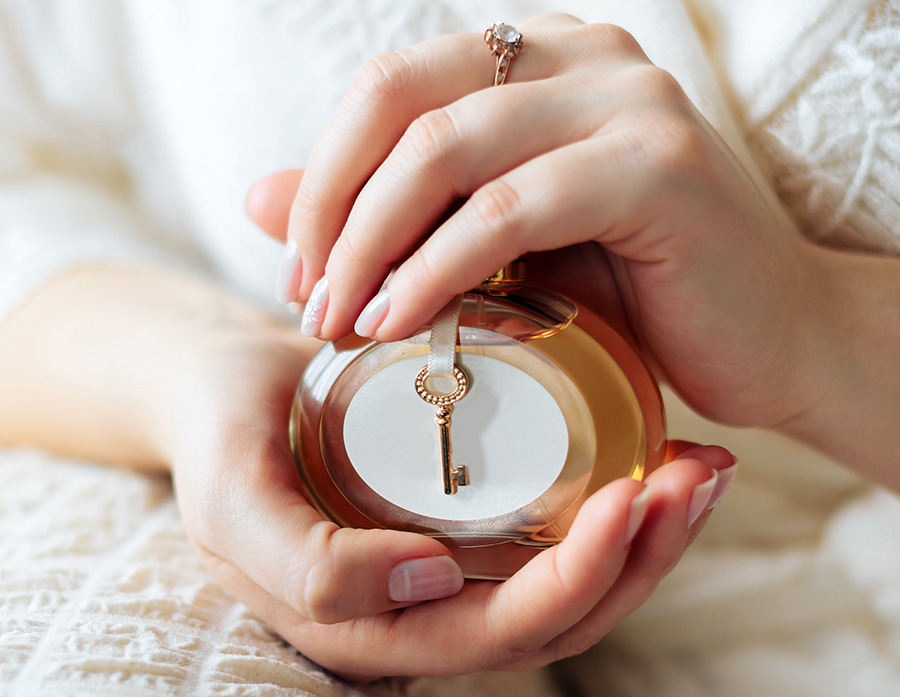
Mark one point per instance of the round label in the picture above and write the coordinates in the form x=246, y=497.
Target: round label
x=507, y=430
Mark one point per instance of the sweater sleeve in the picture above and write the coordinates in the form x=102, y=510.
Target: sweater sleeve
x=66, y=122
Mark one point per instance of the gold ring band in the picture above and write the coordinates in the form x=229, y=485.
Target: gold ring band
x=505, y=41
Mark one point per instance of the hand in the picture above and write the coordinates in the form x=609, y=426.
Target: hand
x=327, y=590
x=191, y=378
x=587, y=144
x=561, y=603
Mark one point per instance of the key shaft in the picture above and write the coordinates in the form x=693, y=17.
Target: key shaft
x=454, y=477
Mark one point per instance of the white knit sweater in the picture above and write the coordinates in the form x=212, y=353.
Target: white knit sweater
x=129, y=134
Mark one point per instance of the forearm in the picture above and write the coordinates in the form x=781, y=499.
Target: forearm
x=854, y=414
x=90, y=365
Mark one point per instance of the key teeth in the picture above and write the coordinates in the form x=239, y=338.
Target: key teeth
x=461, y=475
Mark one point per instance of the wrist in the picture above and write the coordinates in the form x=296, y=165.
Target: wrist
x=807, y=353
x=832, y=370
x=220, y=354
x=98, y=363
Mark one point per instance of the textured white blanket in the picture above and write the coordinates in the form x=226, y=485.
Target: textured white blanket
x=102, y=595
x=792, y=590
x=794, y=587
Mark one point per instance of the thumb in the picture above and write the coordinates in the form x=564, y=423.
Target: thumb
x=269, y=201
x=326, y=573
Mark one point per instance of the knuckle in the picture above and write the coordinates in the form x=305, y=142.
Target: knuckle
x=308, y=201
x=660, y=84
x=385, y=75
x=675, y=151
x=612, y=37
x=508, y=647
x=567, y=646
x=667, y=137
x=519, y=656
x=655, y=568
x=346, y=252
x=421, y=270
x=497, y=207
x=318, y=591
x=431, y=136
x=513, y=653
x=551, y=17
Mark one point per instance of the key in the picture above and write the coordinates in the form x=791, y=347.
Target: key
x=454, y=477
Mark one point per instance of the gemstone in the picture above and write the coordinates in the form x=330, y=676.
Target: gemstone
x=507, y=33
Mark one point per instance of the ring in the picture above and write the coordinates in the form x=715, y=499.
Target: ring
x=505, y=41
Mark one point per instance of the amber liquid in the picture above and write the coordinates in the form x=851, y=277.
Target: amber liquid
x=616, y=430
x=627, y=422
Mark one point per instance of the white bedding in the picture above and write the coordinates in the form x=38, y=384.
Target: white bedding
x=791, y=590
x=794, y=587
x=102, y=595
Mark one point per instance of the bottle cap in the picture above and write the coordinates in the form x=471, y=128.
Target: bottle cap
x=508, y=278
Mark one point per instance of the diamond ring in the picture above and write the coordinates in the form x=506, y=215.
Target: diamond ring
x=505, y=41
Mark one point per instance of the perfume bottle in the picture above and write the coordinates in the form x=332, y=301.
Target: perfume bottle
x=548, y=403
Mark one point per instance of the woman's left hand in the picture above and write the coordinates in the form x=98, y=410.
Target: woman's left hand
x=588, y=144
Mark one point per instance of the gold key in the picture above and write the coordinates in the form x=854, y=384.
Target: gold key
x=454, y=477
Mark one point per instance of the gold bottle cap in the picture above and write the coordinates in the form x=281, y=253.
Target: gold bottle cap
x=511, y=276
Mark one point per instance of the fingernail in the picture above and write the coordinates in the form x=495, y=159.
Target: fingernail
x=700, y=497
x=287, y=280
x=723, y=481
x=373, y=314
x=424, y=579
x=315, y=308
x=636, y=514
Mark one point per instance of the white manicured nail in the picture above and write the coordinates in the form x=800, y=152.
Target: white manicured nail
x=636, y=514
x=315, y=308
x=373, y=315
x=424, y=579
x=700, y=498
x=723, y=481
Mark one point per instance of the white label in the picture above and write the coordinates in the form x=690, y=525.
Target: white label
x=507, y=430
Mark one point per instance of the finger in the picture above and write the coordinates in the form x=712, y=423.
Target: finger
x=390, y=92
x=308, y=637
x=269, y=201
x=486, y=625
x=559, y=586
x=594, y=190
x=674, y=448
x=725, y=465
x=325, y=573
x=522, y=211
x=510, y=624
x=489, y=624
x=678, y=490
x=443, y=157
x=268, y=204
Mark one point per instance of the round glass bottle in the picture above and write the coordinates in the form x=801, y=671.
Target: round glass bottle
x=557, y=405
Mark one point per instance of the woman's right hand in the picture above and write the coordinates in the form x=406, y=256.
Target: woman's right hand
x=588, y=147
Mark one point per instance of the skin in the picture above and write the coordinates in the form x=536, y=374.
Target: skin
x=197, y=383
x=192, y=381
x=171, y=374
x=594, y=163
